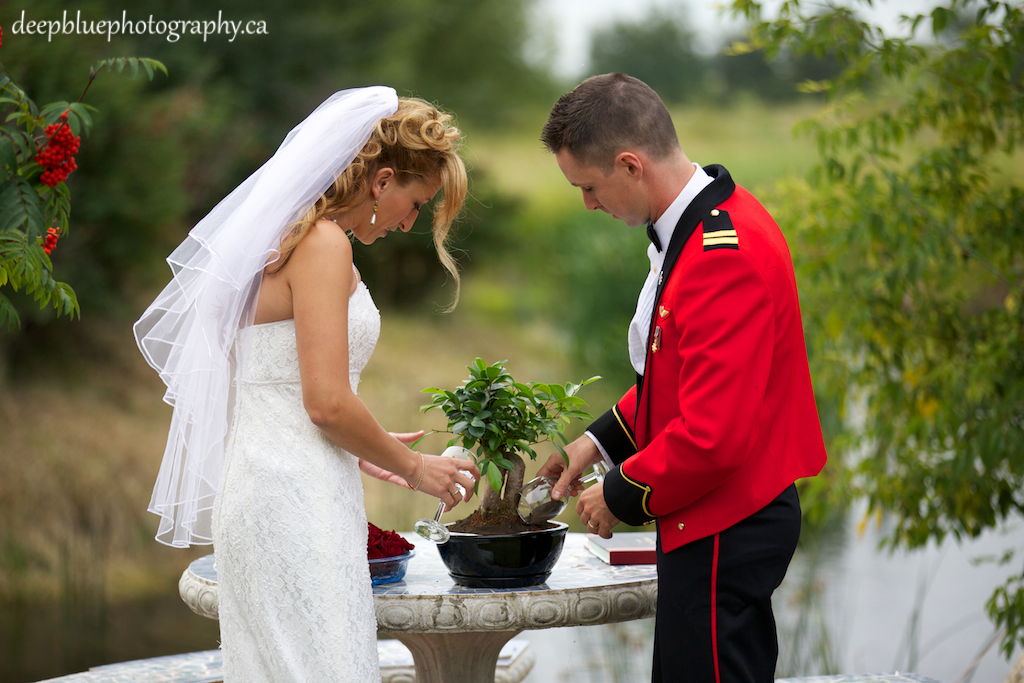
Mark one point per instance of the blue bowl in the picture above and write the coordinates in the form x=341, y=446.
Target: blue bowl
x=389, y=569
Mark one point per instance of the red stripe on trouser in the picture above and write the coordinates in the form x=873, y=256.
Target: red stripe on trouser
x=714, y=609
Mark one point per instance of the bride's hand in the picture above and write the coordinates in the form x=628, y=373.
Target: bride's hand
x=376, y=472
x=382, y=474
x=408, y=438
x=442, y=475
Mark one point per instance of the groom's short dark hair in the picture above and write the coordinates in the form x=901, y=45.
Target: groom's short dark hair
x=606, y=114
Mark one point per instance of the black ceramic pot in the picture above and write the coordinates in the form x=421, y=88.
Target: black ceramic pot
x=515, y=560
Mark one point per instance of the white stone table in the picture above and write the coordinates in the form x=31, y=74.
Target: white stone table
x=455, y=633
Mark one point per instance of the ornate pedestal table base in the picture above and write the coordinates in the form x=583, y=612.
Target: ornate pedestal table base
x=446, y=657
x=456, y=633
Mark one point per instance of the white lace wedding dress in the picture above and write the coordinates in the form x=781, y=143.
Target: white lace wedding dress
x=290, y=527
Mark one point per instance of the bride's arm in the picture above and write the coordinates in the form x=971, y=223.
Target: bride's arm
x=320, y=278
x=369, y=468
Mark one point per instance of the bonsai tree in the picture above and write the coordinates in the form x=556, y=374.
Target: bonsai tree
x=501, y=419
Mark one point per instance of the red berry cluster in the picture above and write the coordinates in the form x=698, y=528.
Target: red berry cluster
x=58, y=158
x=380, y=543
x=51, y=240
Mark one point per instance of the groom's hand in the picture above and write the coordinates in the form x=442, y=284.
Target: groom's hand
x=582, y=454
x=595, y=513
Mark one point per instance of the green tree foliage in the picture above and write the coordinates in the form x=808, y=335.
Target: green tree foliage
x=601, y=269
x=909, y=238
x=660, y=49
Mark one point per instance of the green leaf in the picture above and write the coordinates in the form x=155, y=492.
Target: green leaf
x=504, y=463
x=494, y=478
x=66, y=302
x=154, y=64
x=8, y=316
x=8, y=155
x=52, y=112
x=80, y=112
x=561, y=451
x=415, y=443
x=941, y=18
x=20, y=207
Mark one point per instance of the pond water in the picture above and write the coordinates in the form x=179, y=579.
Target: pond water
x=845, y=607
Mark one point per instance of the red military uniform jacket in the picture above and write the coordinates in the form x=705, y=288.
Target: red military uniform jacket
x=726, y=418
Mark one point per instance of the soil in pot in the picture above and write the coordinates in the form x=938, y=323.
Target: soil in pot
x=503, y=521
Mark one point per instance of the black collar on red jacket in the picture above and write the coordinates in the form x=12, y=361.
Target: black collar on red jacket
x=720, y=189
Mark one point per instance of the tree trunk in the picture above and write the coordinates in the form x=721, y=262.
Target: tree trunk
x=514, y=479
x=489, y=499
x=512, y=483
x=1016, y=674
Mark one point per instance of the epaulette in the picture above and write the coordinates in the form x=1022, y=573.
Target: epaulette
x=719, y=232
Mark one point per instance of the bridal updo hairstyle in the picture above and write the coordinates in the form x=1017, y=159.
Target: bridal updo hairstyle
x=418, y=142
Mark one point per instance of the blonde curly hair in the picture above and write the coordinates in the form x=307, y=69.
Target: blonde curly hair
x=418, y=142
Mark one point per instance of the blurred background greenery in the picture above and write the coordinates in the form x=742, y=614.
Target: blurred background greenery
x=547, y=285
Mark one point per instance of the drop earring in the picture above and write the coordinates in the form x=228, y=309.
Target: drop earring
x=373, y=218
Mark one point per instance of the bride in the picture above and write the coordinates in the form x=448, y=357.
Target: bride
x=260, y=337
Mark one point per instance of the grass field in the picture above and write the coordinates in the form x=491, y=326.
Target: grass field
x=755, y=142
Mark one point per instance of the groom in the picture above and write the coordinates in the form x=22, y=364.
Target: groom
x=722, y=418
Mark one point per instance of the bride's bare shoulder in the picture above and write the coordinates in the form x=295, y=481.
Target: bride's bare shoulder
x=326, y=234
x=324, y=246
x=325, y=253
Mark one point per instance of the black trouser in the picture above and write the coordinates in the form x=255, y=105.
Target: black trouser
x=715, y=621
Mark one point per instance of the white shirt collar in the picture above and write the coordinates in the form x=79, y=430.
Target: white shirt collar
x=666, y=224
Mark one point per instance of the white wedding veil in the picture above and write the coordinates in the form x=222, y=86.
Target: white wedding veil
x=188, y=332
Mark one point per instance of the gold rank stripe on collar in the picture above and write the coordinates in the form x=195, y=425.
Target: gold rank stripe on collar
x=719, y=232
